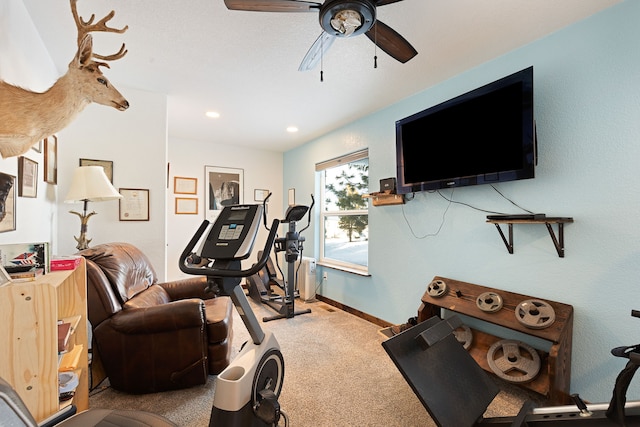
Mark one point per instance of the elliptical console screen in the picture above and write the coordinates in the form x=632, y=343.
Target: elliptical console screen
x=233, y=233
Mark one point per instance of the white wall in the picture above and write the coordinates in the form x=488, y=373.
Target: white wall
x=586, y=100
x=262, y=170
x=135, y=140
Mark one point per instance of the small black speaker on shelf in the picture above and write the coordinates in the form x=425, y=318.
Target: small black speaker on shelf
x=388, y=185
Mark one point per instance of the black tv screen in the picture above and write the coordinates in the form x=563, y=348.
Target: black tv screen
x=481, y=137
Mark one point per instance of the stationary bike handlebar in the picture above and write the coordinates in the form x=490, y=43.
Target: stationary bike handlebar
x=217, y=272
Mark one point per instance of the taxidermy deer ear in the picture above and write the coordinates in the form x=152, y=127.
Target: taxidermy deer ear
x=85, y=51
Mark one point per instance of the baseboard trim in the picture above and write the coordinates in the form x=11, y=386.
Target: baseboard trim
x=358, y=313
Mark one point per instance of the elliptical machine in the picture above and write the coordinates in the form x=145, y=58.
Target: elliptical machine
x=292, y=246
x=247, y=390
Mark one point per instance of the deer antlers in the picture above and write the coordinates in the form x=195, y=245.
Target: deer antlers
x=86, y=27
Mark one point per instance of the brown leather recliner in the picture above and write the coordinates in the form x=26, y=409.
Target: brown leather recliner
x=152, y=336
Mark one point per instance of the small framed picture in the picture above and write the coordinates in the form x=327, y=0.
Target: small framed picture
x=51, y=159
x=186, y=206
x=182, y=185
x=107, y=165
x=27, y=177
x=7, y=202
x=134, y=205
x=260, y=195
x=292, y=196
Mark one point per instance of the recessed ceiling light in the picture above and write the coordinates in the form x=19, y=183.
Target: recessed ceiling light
x=212, y=114
x=292, y=129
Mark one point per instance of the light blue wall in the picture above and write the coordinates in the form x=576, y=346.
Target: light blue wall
x=587, y=101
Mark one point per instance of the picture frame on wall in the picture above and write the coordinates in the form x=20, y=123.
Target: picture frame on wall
x=186, y=206
x=51, y=159
x=7, y=202
x=27, y=177
x=183, y=185
x=223, y=187
x=260, y=195
x=134, y=205
x=107, y=165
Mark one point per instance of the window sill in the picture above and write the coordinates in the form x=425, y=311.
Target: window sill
x=346, y=269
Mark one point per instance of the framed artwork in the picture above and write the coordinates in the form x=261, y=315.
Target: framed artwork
x=186, y=206
x=51, y=159
x=27, y=177
x=7, y=202
x=260, y=195
x=182, y=185
x=223, y=187
x=134, y=205
x=292, y=196
x=107, y=165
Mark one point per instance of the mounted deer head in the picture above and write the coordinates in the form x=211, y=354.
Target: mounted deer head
x=27, y=117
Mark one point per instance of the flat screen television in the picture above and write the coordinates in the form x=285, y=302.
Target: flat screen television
x=484, y=136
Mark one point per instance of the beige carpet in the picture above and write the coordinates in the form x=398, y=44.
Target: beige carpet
x=336, y=374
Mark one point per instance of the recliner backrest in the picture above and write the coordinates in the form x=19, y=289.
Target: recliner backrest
x=126, y=267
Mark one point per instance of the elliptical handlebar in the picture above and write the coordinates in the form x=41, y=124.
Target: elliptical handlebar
x=216, y=272
x=313, y=202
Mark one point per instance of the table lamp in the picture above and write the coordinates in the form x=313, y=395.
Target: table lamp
x=89, y=184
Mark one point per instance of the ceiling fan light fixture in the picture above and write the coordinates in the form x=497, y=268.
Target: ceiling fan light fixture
x=344, y=18
x=346, y=22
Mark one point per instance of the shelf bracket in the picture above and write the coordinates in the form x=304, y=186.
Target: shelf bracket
x=507, y=243
x=557, y=242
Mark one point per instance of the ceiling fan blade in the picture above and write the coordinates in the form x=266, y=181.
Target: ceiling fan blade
x=391, y=42
x=317, y=49
x=383, y=2
x=272, y=5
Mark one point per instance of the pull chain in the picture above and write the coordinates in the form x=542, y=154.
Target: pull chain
x=375, y=47
x=321, y=59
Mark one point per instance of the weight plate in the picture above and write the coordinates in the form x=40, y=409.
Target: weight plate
x=437, y=288
x=464, y=336
x=489, y=302
x=513, y=361
x=535, y=314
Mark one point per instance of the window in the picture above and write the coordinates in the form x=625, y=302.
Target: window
x=344, y=215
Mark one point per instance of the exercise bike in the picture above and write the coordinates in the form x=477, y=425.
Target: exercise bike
x=444, y=376
x=292, y=246
x=247, y=390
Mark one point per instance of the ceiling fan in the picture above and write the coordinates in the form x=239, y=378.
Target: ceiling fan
x=338, y=18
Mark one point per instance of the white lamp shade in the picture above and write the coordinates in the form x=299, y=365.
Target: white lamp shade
x=91, y=183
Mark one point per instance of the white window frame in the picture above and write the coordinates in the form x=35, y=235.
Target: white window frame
x=320, y=168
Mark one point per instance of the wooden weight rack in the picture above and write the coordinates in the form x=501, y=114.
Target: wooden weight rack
x=554, y=380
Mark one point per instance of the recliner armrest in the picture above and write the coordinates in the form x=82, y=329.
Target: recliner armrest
x=192, y=287
x=183, y=314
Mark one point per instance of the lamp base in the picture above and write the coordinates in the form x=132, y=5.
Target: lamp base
x=83, y=242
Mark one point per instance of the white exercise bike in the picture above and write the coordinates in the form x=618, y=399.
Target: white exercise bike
x=247, y=391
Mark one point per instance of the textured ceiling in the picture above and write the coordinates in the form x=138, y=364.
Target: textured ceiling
x=245, y=64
